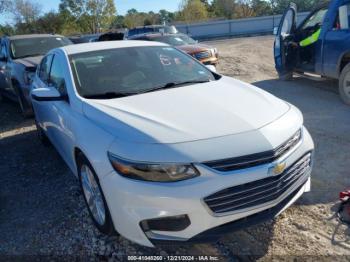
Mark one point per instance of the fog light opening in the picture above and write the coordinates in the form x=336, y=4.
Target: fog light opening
x=170, y=224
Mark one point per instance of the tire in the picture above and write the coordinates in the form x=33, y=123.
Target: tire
x=26, y=110
x=344, y=84
x=87, y=176
x=41, y=134
x=286, y=77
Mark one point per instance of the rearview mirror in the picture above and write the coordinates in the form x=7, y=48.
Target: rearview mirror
x=47, y=94
x=211, y=68
x=275, y=30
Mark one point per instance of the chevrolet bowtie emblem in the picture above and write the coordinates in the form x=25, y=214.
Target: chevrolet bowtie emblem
x=279, y=169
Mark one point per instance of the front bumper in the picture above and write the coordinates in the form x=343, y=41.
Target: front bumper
x=131, y=202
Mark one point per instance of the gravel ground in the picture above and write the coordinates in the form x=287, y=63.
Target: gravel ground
x=42, y=212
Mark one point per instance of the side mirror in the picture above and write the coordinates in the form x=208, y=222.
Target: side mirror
x=3, y=59
x=275, y=30
x=211, y=68
x=47, y=94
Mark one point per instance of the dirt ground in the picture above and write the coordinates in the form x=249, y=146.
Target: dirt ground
x=42, y=212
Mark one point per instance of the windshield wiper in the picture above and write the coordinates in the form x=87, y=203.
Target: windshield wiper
x=108, y=95
x=174, y=84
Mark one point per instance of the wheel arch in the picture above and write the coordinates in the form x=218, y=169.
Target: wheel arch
x=78, y=151
x=343, y=61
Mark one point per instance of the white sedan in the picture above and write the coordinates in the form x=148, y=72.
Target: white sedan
x=165, y=149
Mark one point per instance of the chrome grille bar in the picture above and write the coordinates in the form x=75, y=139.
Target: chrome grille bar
x=253, y=160
x=260, y=191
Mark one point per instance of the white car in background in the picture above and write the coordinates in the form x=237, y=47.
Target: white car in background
x=165, y=149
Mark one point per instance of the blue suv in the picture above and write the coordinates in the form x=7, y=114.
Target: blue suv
x=329, y=56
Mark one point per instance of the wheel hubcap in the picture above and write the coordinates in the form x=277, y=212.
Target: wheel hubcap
x=93, y=195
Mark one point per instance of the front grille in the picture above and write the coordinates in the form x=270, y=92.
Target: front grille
x=255, y=159
x=260, y=191
x=203, y=55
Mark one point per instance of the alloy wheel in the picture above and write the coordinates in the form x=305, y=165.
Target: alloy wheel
x=93, y=195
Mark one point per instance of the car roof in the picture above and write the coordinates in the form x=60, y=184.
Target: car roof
x=149, y=26
x=155, y=34
x=161, y=34
x=14, y=37
x=97, y=46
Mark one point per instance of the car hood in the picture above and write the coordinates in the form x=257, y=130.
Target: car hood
x=29, y=61
x=194, y=48
x=188, y=113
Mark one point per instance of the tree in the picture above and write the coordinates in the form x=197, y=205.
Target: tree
x=118, y=22
x=102, y=13
x=6, y=30
x=25, y=11
x=261, y=7
x=243, y=9
x=223, y=8
x=133, y=18
x=165, y=16
x=192, y=10
x=5, y=5
x=96, y=15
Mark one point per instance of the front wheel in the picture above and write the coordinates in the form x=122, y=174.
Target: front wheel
x=344, y=84
x=93, y=196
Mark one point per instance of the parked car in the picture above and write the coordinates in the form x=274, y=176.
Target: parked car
x=206, y=54
x=166, y=150
x=111, y=36
x=19, y=57
x=151, y=29
x=329, y=56
x=108, y=36
x=80, y=39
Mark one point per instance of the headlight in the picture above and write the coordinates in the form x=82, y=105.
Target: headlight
x=151, y=171
x=28, y=77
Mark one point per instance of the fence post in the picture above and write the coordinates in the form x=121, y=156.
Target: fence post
x=229, y=28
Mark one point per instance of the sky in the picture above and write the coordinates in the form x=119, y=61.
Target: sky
x=122, y=6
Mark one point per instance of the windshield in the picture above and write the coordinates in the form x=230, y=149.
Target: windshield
x=175, y=40
x=316, y=19
x=133, y=70
x=27, y=47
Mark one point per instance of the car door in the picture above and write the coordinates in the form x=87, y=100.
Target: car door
x=336, y=40
x=282, y=49
x=41, y=81
x=60, y=112
x=5, y=70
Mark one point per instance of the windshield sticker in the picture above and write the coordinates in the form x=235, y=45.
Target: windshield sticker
x=165, y=60
x=201, y=72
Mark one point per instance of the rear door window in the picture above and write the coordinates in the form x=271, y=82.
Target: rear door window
x=344, y=13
